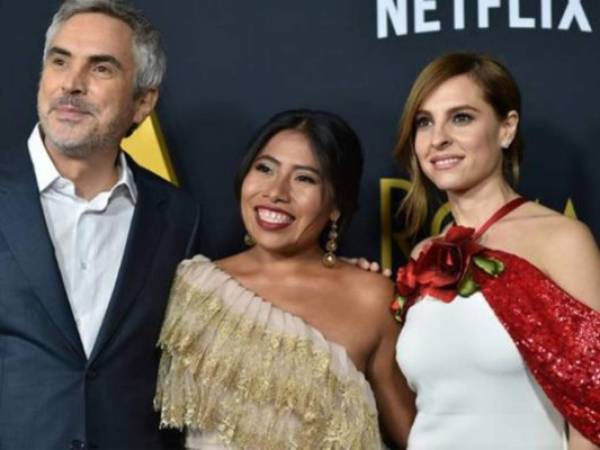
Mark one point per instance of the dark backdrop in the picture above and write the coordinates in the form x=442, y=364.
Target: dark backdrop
x=232, y=64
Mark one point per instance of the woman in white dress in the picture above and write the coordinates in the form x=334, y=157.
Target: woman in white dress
x=501, y=347
x=281, y=346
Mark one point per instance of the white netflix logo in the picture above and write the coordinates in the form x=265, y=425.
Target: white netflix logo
x=395, y=13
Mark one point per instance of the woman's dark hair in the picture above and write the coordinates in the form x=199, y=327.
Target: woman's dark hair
x=335, y=145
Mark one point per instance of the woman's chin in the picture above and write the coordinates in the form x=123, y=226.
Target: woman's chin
x=450, y=185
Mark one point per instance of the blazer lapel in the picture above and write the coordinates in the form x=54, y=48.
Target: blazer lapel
x=23, y=224
x=143, y=239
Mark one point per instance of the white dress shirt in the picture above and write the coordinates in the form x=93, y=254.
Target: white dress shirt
x=89, y=237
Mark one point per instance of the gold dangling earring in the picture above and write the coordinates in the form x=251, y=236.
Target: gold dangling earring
x=249, y=240
x=331, y=246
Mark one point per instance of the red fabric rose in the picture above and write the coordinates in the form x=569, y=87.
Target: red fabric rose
x=440, y=266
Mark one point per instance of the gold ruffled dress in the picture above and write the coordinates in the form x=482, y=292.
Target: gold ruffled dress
x=239, y=373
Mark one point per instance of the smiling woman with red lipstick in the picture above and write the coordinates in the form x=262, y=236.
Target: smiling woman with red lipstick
x=282, y=346
x=501, y=330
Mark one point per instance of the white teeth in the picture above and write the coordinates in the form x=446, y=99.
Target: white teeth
x=446, y=162
x=273, y=217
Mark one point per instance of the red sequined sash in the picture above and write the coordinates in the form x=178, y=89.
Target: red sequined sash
x=557, y=336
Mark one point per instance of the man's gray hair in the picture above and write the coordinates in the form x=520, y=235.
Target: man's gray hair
x=149, y=57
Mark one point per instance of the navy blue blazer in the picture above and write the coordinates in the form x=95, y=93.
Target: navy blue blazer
x=51, y=396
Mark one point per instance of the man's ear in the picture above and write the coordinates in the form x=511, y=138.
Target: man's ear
x=144, y=104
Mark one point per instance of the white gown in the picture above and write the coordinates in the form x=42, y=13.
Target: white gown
x=473, y=388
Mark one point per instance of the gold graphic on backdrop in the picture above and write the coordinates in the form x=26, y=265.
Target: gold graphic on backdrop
x=391, y=236
x=147, y=147
x=570, y=210
x=399, y=237
x=438, y=219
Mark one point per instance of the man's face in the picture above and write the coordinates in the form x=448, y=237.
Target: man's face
x=86, y=93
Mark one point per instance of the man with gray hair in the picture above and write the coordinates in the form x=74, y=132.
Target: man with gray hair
x=89, y=243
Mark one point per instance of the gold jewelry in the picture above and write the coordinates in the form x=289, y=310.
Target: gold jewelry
x=249, y=240
x=331, y=246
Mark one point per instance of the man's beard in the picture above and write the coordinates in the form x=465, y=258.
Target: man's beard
x=82, y=146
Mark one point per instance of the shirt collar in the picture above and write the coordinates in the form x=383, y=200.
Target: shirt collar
x=46, y=173
x=126, y=177
x=43, y=167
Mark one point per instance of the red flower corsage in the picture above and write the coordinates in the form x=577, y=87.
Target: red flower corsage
x=442, y=270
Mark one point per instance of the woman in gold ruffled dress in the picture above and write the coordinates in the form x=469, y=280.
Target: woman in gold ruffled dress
x=281, y=346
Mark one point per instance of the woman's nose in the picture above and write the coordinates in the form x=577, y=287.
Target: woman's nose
x=279, y=189
x=440, y=139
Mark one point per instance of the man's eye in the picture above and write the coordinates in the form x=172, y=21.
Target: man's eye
x=103, y=69
x=58, y=62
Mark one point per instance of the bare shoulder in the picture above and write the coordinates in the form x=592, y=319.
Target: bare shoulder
x=530, y=229
x=370, y=296
x=550, y=237
x=530, y=219
x=366, y=287
x=572, y=232
x=571, y=258
x=556, y=232
x=234, y=264
x=228, y=260
x=541, y=215
x=569, y=239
